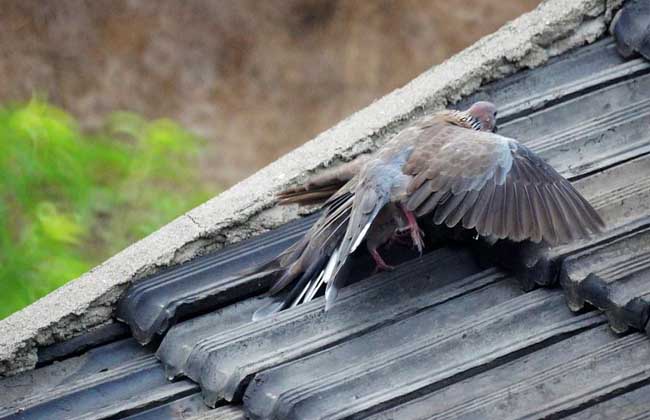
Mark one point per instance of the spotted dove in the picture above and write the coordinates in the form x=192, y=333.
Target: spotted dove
x=449, y=167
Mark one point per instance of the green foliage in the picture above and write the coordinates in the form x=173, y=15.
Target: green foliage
x=69, y=200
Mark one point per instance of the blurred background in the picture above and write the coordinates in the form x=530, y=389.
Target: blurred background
x=117, y=116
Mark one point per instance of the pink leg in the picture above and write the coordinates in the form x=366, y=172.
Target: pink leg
x=381, y=264
x=416, y=232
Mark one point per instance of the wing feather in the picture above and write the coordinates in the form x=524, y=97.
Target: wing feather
x=465, y=206
x=478, y=213
x=526, y=223
x=496, y=212
x=558, y=217
x=442, y=212
x=420, y=195
x=433, y=200
x=543, y=215
x=505, y=213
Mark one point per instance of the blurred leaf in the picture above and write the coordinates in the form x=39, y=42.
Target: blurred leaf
x=56, y=226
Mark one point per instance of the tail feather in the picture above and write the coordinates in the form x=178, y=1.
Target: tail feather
x=303, y=282
x=305, y=197
x=317, y=259
x=300, y=269
x=288, y=276
x=368, y=202
x=314, y=287
x=274, y=306
x=326, y=183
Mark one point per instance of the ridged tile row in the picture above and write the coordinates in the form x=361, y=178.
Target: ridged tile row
x=554, y=381
x=224, y=359
x=152, y=305
x=111, y=380
x=437, y=345
x=615, y=277
x=190, y=408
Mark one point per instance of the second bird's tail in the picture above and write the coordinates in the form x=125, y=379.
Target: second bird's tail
x=314, y=261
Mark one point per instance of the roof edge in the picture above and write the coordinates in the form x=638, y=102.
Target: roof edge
x=248, y=207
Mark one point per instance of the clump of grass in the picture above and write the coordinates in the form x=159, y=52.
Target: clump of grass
x=69, y=200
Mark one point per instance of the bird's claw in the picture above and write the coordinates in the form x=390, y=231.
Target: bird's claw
x=416, y=233
x=380, y=264
x=416, y=237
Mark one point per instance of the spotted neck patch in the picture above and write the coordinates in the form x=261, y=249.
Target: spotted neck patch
x=462, y=119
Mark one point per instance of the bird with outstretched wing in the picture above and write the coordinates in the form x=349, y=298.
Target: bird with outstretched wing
x=450, y=167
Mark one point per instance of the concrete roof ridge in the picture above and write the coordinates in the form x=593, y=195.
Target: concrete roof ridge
x=248, y=207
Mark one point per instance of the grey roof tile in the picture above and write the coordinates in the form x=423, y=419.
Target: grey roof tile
x=569, y=75
x=607, y=126
x=631, y=405
x=631, y=28
x=549, y=383
x=615, y=277
x=189, y=408
x=226, y=412
x=224, y=360
x=425, y=350
x=152, y=305
x=94, y=338
x=111, y=380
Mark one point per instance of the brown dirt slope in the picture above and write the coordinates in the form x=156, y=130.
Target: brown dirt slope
x=255, y=78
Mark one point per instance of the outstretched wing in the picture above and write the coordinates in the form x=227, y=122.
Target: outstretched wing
x=497, y=186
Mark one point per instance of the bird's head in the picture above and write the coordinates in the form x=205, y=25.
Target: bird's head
x=486, y=113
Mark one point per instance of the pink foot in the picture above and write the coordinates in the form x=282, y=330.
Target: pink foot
x=380, y=263
x=414, y=229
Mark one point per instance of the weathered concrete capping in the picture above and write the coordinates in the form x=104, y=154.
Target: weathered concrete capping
x=247, y=208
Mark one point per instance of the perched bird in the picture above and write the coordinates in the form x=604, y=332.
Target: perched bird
x=450, y=167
